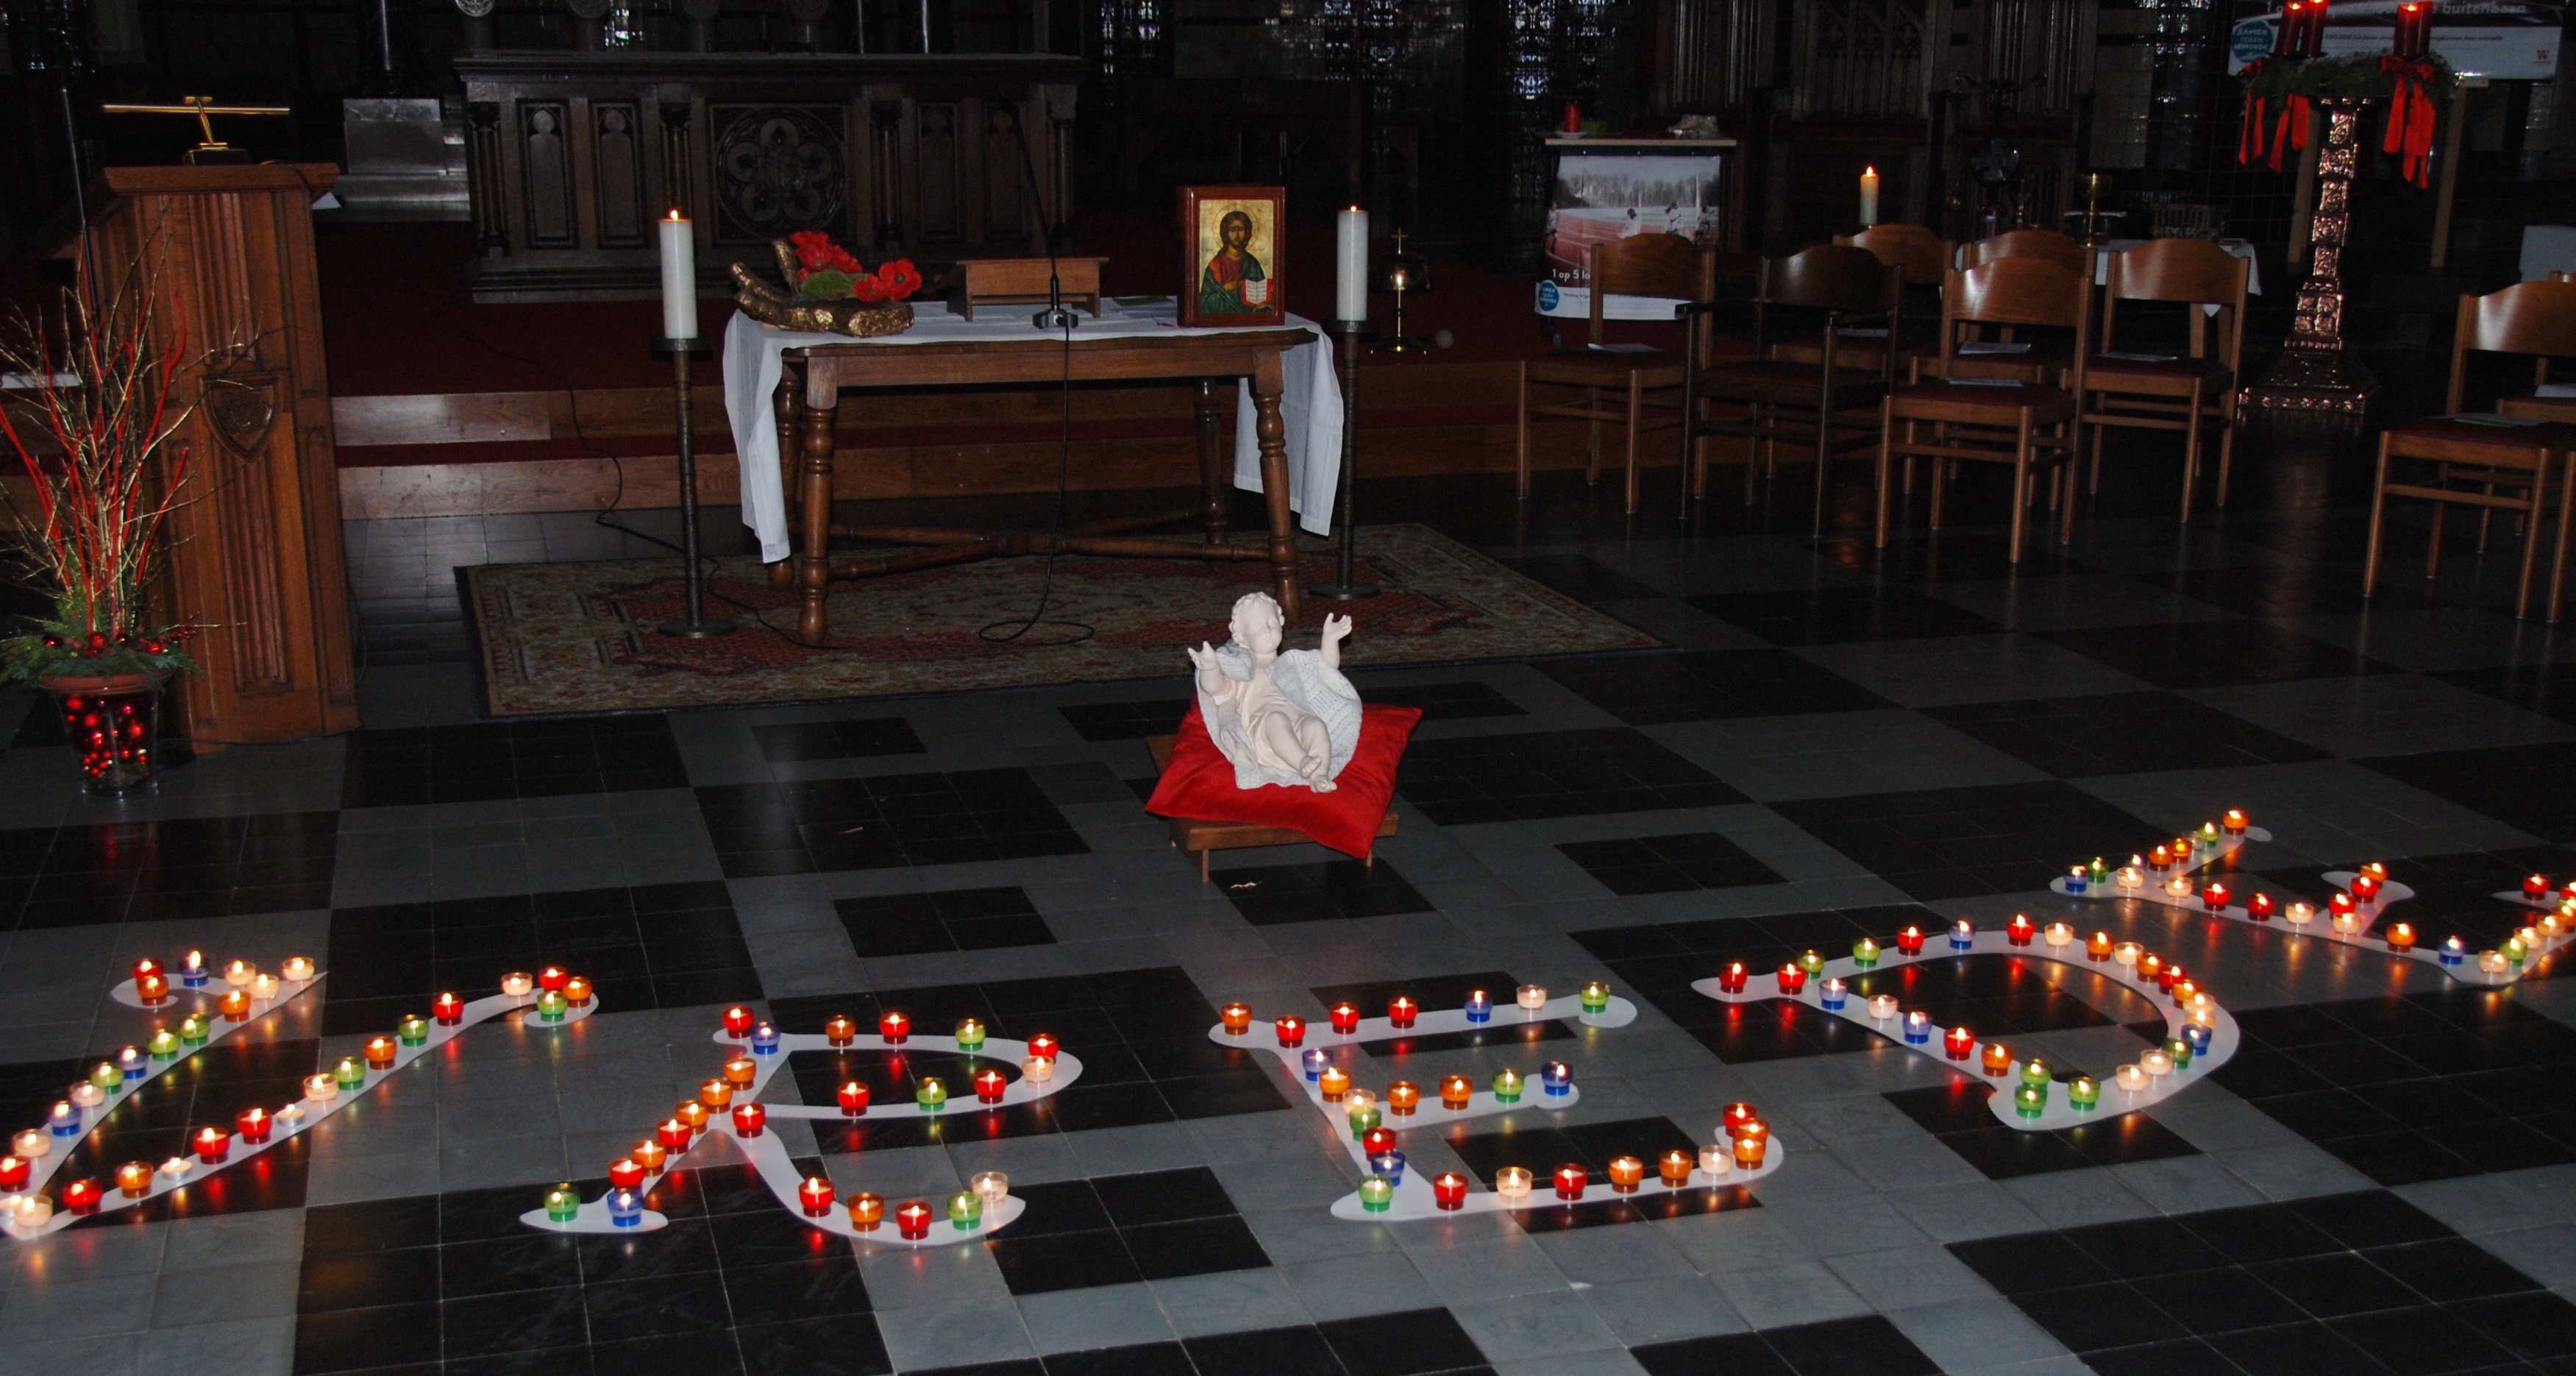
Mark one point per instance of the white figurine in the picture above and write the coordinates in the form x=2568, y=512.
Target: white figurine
x=1287, y=719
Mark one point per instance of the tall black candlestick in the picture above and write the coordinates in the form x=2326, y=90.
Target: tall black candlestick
x=697, y=626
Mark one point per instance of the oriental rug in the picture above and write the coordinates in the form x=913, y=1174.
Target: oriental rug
x=552, y=639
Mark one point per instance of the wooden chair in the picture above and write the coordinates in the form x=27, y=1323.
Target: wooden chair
x=2537, y=319
x=2184, y=392
x=1804, y=403
x=1925, y=258
x=2031, y=426
x=1639, y=265
x=2030, y=243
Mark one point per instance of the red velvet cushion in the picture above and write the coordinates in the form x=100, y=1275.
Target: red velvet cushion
x=1199, y=784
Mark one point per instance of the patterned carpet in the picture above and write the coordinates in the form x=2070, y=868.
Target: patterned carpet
x=569, y=638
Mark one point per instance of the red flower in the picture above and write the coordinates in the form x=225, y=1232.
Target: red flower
x=900, y=278
x=813, y=248
x=867, y=288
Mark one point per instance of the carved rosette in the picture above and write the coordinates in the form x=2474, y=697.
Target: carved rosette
x=779, y=169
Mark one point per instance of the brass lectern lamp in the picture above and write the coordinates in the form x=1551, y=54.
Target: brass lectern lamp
x=212, y=151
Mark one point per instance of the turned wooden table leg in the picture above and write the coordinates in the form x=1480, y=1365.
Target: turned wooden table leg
x=1273, y=434
x=790, y=405
x=814, y=517
x=1216, y=460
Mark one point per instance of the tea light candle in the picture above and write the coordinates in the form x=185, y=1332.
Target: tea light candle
x=65, y=1118
x=965, y=1211
x=1346, y=1018
x=2179, y=886
x=625, y=1208
x=264, y=987
x=578, y=992
x=134, y=1179
x=2058, y=936
x=380, y=1053
x=252, y=1124
x=715, y=1094
x=1357, y=1101
x=1449, y=1190
x=2491, y=962
x=738, y=1021
x=2160, y=859
x=153, y=990
x=1882, y=1006
x=2097, y=947
x=34, y=1211
x=2345, y=924
x=1292, y=1031
x=2037, y=1071
x=990, y=1086
x=554, y=978
x=1556, y=1078
x=1834, y=995
x=814, y=1195
x=322, y=1088
x=1963, y=935
x=15, y=1171
x=2341, y=905
x=2365, y=886
x=866, y=1211
x=649, y=1154
x=2259, y=907
x=1377, y=1194
x=1507, y=1086
x=1401, y=1011
x=1750, y=1148
x=2030, y=1101
x=1235, y=1018
x=1865, y=953
x=1958, y=1042
x=693, y=1113
x=1626, y=1174
x=749, y=1120
x=2020, y=930
x=1455, y=1090
x=840, y=1030
x=2130, y=953
x=2196, y=1035
x=1333, y=1083
x=2131, y=878
x=518, y=984
x=298, y=969
x=235, y=1006
x=1376, y=1140
x=2165, y=973
x=162, y=1044
x=2182, y=847
x=1403, y=1097
x=2083, y=1092
x=1571, y=1181
x=147, y=967
x=2452, y=951
x=1480, y=1006
x=1038, y=1068
x=894, y=1027
x=2133, y=1078
x=2078, y=879
x=1732, y=1118
x=627, y=1173
x=2178, y=1049
x=970, y=1034
x=990, y=1186
x=562, y=1204
x=671, y=1135
x=413, y=1030
x=1717, y=1158
x=448, y=1009
x=1792, y=979
x=1044, y=1044
x=212, y=1144
x=1997, y=1059
x=1531, y=997
x=2300, y=914
x=1595, y=994
x=1910, y=941
x=1918, y=1028
x=1731, y=979
x=930, y=1095
x=1388, y=1163
x=1513, y=1183
x=2215, y=896
x=31, y=1142
x=2156, y=1061
x=239, y=973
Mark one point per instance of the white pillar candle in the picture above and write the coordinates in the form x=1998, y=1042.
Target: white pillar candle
x=1350, y=264
x=1868, y=197
x=679, y=278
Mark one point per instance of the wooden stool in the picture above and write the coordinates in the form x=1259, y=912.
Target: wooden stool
x=1190, y=834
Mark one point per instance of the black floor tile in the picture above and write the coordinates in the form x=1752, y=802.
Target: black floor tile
x=1269, y=895
x=167, y=869
x=2120, y=733
x=1265, y=1352
x=2307, y=1348
x=879, y=823
x=1708, y=685
x=949, y=920
x=2213, y=654
x=2547, y=688
x=1864, y=1346
x=1126, y=721
x=1411, y=1342
x=489, y=761
x=1969, y=842
x=1552, y=774
x=1465, y=700
x=864, y=738
x=2507, y=783
x=1679, y=863
x=1830, y=616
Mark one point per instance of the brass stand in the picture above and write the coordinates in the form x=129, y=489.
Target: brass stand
x=1400, y=272
x=212, y=151
x=1346, y=587
x=2316, y=375
x=696, y=626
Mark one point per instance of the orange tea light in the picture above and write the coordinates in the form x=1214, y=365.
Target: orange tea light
x=1236, y=1018
x=1403, y=1097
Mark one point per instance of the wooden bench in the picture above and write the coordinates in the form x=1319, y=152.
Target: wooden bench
x=1202, y=838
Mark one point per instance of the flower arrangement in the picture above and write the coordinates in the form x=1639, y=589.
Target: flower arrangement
x=828, y=290
x=829, y=272
x=90, y=417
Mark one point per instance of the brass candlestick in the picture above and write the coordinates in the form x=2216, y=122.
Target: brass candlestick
x=2094, y=185
x=1400, y=272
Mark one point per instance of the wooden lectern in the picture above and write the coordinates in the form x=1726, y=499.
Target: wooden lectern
x=256, y=556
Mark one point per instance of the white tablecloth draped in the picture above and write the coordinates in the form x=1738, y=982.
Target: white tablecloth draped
x=1310, y=405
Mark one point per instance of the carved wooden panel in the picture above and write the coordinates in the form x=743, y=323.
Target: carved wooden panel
x=778, y=169
x=244, y=497
x=1712, y=55
x=228, y=323
x=2041, y=49
x=940, y=179
x=1005, y=171
x=617, y=155
x=1864, y=59
x=545, y=161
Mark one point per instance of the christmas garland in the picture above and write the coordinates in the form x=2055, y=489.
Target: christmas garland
x=2278, y=92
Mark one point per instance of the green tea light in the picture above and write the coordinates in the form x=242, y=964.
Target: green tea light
x=562, y=1204
x=1377, y=1194
x=1507, y=1086
x=966, y=1211
x=2030, y=1101
x=2037, y=1071
x=2083, y=1092
x=413, y=1029
x=193, y=1029
x=163, y=1045
x=552, y=1005
x=350, y=1072
x=1865, y=953
x=1596, y=997
x=970, y=1034
x=930, y=1094
x=2180, y=1050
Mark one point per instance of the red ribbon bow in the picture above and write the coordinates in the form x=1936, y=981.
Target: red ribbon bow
x=2410, y=118
x=2249, y=127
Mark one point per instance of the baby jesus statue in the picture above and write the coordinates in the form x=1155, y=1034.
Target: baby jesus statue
x=1288, y=719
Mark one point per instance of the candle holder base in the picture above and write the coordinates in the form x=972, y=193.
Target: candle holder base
x=701, y=630
x=1343, y=592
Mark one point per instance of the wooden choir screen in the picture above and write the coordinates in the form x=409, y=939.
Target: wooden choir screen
x=571, y=155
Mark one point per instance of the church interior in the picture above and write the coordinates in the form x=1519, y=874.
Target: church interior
x=1226, y=628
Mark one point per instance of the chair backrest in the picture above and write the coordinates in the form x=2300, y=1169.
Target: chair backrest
x=1840, y=280
x=2031, y=243
x=2533, y=318
x=2194, y=272
x=2018, y=290
x=1924, y=255
x=1649, y=265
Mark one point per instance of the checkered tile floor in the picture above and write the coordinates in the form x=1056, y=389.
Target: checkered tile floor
x=1840, y=741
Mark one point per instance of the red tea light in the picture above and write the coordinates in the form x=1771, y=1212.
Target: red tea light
x=2536, y=886
x=145, y=969
x=1403, y=1097
x=252, y=1124
x=854, y=1098
x=212, y=1144
x=1377, y=1140
x=989, y=1086
x=2365, y=886
x=694, y=1115
x=741, y=1071
x=2215, y=896
x=1959, y=1042
x=1734, y=1116
x=1675, y=1167
x=2097, y=947
x=15, y=1171
x=235, y=1005
x=894, y=1027
x=749, y=1119
x=1044, y=1046
x=2020, y=930
x=738, y=1021
x=1998, y=1059
x=1346, y=1018
x=1570, y=1180
x=866, y=1211
x=134, y=1179
x=152, y=990
x=380, y=1053
x=1292, y=1031
x=2234, y=822
x=626, y=1173
x=2259, y=907
x=2166, y=977
x=1792, y=979
x=1626, y=1174
x=448, y=1009
x=912, y=1219
x=1455, y=1090
x=83, y=1196
x=553, y=977
x=1449, y=1190
x=1731, y=979
x=1910, y=941
x=1236, y=1018
x=2342, y=904
x=815, y=1195
x=2401, y=937
x=649, y=1154
x=1401, y=1011
x=840, y=1030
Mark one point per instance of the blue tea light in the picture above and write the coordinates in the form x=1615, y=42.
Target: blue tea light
x=1556, y=1077
x=1834, y=995
x=2198, y=1035
x=2077, y=880
x=133, y=1063
x=764, y=1039
x=1315, y=1061
x=2453, y=951
x=1480, y=1006
x=625, y=1208
x=1389, y=1163
x=1963, y=935
x=1918, y=1028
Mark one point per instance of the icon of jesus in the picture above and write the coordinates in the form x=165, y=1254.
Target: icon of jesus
x=1233, y=282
